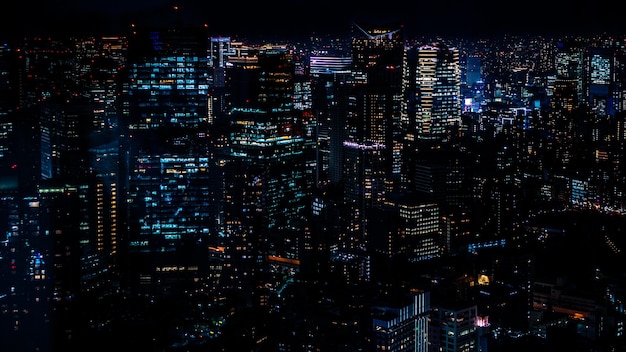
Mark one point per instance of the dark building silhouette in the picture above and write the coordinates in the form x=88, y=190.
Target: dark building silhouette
x=265, y=177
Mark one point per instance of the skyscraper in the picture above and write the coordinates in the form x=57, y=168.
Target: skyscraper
x=568, y=86
x=372, y=146
x=377, y=60
x=438, y=91
x=331, y=77
x=220, y=49
x=455, y=326
x=8, y=103
x=402, y=325
x=600, y=81
x=265, y=172
x=168, y=158
x=169, y=75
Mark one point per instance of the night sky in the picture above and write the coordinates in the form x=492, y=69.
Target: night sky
x=297, y=17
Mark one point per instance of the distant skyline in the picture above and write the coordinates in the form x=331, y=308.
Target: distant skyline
x=299, y=17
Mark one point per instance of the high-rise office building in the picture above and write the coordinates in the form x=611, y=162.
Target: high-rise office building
x=363, y=174
x=438, y=92
x=305, y=118
x=8, y=125
x=600, y=80
x=269, y=139
x=364, y=191
x=67, y=130
x=100, y=63
x=456, y=327
x=372, y=148
x=473, y=84
x=240, y=261
x=77, y=149
x=407, y=229
x=169, y=75
x=443, y=176
x=374, y=115
x=171, y=220
x=568, y=86
x=106, y=214
x=402, y=325
x=221, y=48
x=265, y=173
x=168, y=159
x=331, y=78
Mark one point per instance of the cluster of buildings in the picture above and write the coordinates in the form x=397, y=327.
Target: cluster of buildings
x=173, y=190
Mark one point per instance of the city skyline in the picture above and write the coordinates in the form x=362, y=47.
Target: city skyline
x=177, y=190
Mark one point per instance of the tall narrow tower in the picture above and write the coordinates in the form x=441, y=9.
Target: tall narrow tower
x=168, y=159
x=377, y=60
x=265, y=173
x=372, y=149
x=438, y=92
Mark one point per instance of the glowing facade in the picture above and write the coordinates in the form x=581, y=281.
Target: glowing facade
x=169, y=72
x=438, y=91
x=167, y=154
